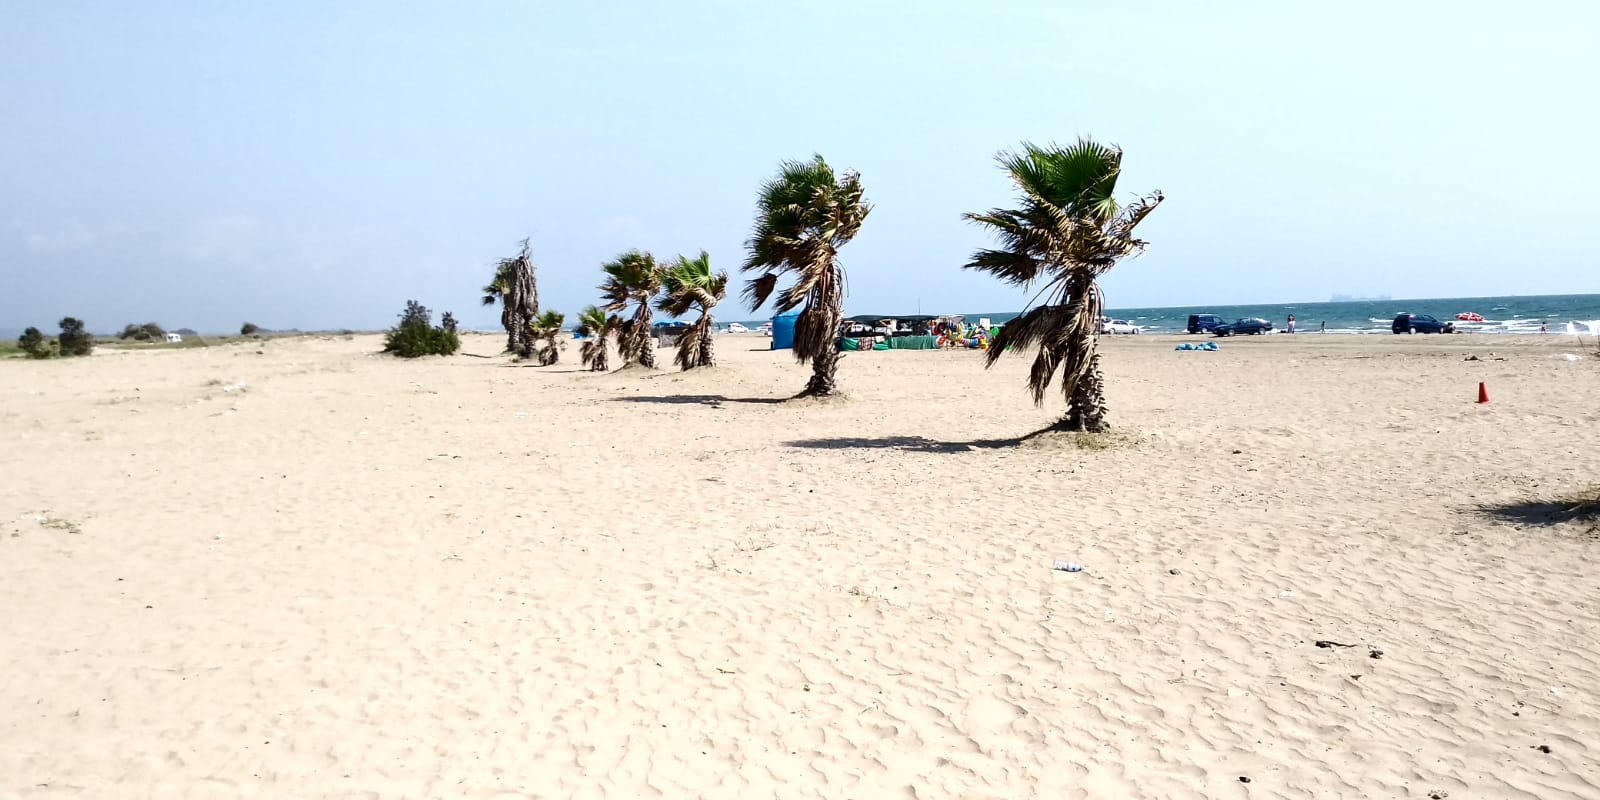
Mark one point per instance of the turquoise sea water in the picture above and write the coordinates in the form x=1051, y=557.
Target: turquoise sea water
x=1500, y=314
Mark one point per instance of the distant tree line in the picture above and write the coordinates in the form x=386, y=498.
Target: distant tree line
x=72, y=341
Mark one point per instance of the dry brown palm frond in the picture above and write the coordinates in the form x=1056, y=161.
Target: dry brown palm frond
x=757, y=290
x=691, y=343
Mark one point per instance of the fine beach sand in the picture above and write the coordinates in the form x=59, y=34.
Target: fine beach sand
x=314, y=571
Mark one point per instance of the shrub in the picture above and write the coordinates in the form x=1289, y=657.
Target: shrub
x=448, y=322
x=148, y=332
x=249, y=328
x=74, y=340
x=35, y=344
x=416, y=335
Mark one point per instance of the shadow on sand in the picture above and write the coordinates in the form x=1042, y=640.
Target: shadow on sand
x=698, y=399
x=545, y=369
x=915, y=444
x=1579, y=510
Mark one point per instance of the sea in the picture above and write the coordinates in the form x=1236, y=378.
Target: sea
x=1525, y=314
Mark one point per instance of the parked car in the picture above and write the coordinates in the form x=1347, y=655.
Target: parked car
x=1243, y=326
x=1420, y=323
x=734, y=327
x=1119, y=326
x=1204, y=323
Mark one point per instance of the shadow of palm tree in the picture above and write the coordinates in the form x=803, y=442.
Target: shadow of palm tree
x=545, y=369
x=697, y=399
x=913, y=444
x=1549, y=512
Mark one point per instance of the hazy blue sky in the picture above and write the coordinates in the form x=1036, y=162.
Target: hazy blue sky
x=316, y=164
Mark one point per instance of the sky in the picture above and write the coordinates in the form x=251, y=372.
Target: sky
x=314, y=165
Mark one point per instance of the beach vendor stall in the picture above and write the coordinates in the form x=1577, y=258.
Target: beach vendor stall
x=888, y=332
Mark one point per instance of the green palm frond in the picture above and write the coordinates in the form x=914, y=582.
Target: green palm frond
x=592, y=321
x=549, y=322
x=805, y=206
x=690, y=284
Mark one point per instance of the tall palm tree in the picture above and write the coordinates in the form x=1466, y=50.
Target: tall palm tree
x=517, y=292
x=1066, y=233
x=597, y=326
x=686, y=286
x=803, y=216
x=546, y=330
x=633, y=277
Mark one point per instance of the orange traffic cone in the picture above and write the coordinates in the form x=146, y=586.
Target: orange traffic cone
x=1483, y=393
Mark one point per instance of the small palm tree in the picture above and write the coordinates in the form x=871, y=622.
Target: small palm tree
x=546, y=330
x=803, y=216
x=633, y=277
x=686, y=286
x=517, y=292
x=597, y=326
x=1067, y=232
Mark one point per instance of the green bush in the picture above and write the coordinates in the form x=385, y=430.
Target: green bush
x=35, y=344
x=148, y=332
x=416, y=335
x=248, y=328
x=74, y=340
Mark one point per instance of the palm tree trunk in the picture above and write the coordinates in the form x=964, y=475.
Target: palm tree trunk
x=507, y=323
x=1087, y=409
x=521, y=300
x=708, y=356
x=647, y=342
x=600, y=363
x=825, y=363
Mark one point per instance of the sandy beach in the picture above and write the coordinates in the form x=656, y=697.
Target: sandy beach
x=299, y=568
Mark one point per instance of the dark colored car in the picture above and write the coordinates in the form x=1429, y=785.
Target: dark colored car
x=1243, y=326
x=1204, y=323
x=1421, y=323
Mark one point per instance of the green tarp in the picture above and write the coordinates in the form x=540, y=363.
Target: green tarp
x=914, y=343
x=850, y=344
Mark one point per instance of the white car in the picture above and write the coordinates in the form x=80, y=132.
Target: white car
x=1119, y=326
x=737, y=328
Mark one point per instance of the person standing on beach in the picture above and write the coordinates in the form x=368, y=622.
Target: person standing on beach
x=1324, y=326
x=1291, y=323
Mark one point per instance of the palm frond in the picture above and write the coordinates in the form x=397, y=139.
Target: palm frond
x=816, y=329
x=757, y=290
x=690, y=344
x=1081, y=179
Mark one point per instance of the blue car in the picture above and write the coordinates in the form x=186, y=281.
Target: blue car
x=1421, y=323
x=1243, y=326
x=1204, y=323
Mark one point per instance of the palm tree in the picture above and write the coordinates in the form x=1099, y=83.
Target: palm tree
x=517, y=292
x=803, y=216
x=595, y=324
x=633, y=277
x=688, y=285
x=1068, y=231
x=546, y=329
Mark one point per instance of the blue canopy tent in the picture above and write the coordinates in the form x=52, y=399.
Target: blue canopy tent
x=783, y=330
